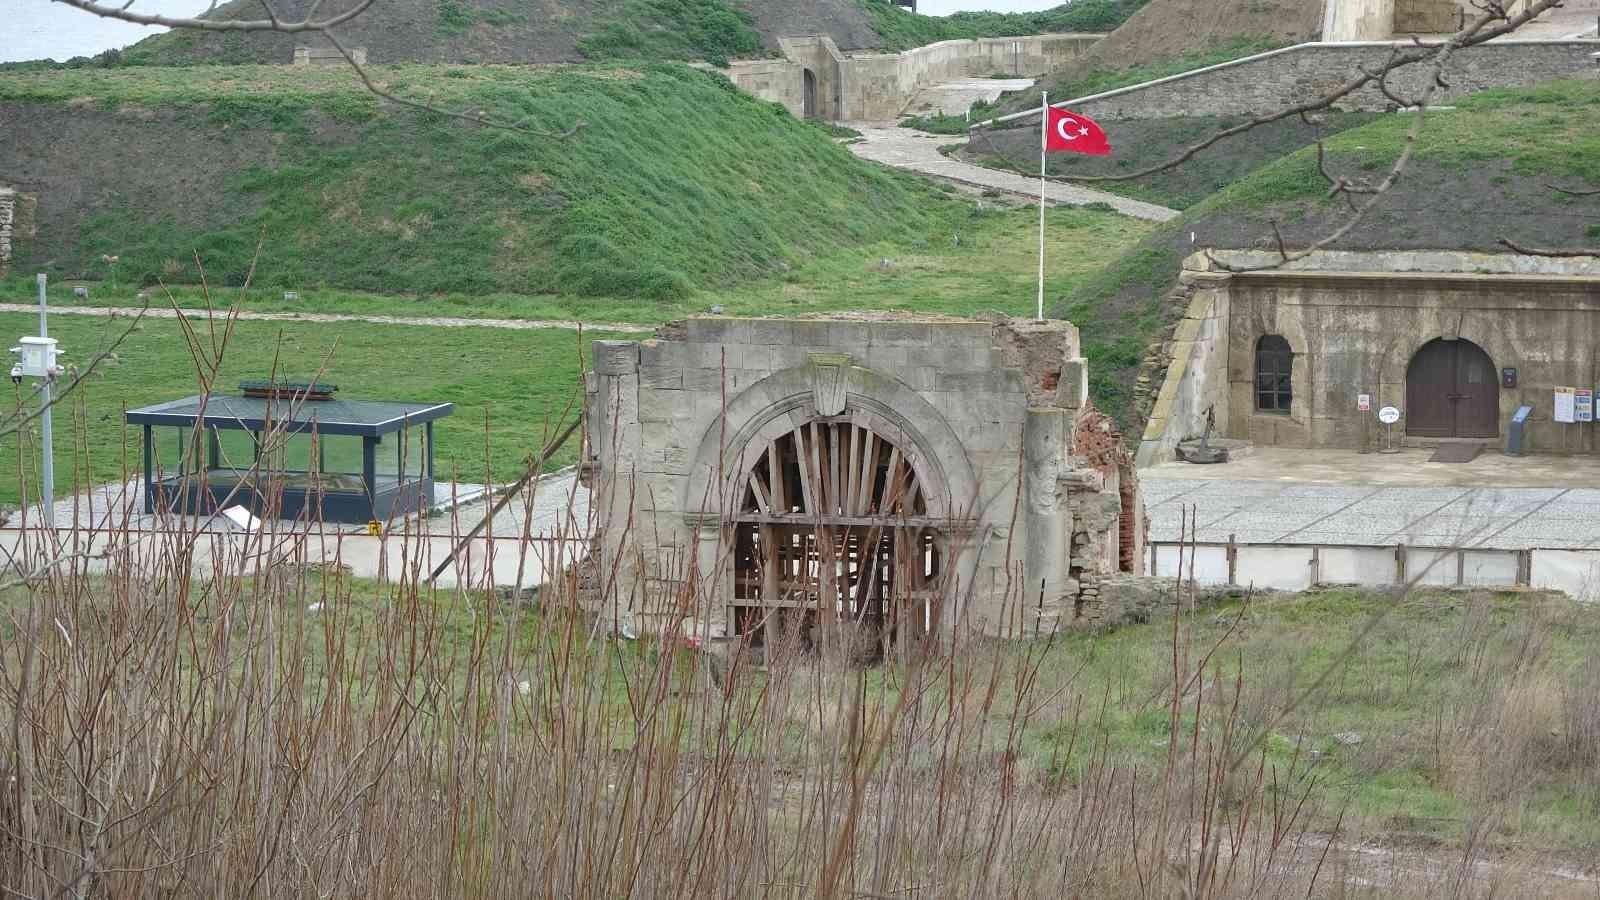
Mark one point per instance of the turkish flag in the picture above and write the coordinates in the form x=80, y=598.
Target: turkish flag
x=1072, y=132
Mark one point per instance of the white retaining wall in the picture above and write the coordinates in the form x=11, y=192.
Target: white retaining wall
x=1295, y=567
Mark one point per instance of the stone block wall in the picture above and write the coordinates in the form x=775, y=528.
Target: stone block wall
x=986, y=413
x=1355, y=320
x=1280, y=78
x=877, y=87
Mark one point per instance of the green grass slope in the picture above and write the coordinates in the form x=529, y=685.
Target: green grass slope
x=677, y=181
x=901, y=29
x=1481, y=173
x=523, y=31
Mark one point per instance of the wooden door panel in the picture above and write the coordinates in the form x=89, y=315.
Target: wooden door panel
x=1430, y=380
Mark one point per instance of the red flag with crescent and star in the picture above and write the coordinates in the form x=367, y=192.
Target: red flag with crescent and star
x=1070, y=132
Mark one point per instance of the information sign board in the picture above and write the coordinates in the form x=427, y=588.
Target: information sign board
x=1566, y=404
x=1583, y=404
x=1363, y=403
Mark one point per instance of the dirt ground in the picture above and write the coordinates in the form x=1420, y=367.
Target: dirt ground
x=1168, y=28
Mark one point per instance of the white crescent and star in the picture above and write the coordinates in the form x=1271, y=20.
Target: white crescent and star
x=1061, y=128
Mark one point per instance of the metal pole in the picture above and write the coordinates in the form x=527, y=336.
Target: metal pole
x=47, y=466
x=1044, y=125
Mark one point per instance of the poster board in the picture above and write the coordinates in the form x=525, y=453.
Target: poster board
x=1566, y=404
x=1583, y=404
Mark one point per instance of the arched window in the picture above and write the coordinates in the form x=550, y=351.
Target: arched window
x=1274, y=366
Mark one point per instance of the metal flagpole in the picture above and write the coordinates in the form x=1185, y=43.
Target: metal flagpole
x=47, y=463
x=1044, y=124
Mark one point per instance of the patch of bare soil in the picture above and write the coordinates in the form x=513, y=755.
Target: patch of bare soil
x=1167, y=28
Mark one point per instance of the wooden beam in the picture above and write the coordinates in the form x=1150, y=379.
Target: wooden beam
x=762, y=501
x=775, y=478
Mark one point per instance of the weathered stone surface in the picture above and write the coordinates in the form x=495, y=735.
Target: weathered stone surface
x=697, y=417
x=616, y=357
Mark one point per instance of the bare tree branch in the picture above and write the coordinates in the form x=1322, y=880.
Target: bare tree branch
x=1546, y=251
x=271, y=23
x=1571, y=193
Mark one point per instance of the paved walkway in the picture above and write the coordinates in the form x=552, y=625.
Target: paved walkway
x=1343, y=497
x=424, y=321
x=918, y=151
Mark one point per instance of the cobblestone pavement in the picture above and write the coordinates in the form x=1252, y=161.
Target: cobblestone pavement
x=918, y=151
x=426, y=321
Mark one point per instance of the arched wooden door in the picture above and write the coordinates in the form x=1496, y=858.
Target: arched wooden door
x=1452, y=391
x=833, y=527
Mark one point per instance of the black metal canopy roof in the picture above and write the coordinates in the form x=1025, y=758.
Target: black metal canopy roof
x=367, y=418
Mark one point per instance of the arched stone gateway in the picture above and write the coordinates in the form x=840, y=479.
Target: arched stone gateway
x=909, y=475
x=808, y=99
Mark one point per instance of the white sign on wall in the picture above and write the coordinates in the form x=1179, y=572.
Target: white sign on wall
x=1566, y=404
x=1363, y=403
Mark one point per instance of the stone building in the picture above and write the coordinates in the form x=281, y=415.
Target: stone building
x=1457, y=342
x=916, y=475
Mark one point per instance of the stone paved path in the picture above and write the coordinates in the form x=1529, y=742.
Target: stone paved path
x=918, y=151
x=424, y=321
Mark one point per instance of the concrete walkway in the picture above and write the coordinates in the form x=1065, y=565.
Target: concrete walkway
x=536, y=535
x=1326, y=497
x=918, y=151
x=422, y=321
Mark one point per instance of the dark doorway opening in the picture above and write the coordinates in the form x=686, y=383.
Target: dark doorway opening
x=808, y=102
x=1452, y=391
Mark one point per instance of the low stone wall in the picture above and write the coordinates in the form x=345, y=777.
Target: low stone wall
x=1273, y=80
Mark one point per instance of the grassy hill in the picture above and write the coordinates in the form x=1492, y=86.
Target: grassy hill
x=1463, y=191
x=550, y=31
x=676, y=182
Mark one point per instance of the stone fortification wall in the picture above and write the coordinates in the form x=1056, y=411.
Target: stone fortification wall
x=1280, y=78
x=1354, y=322
x=878, y=86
